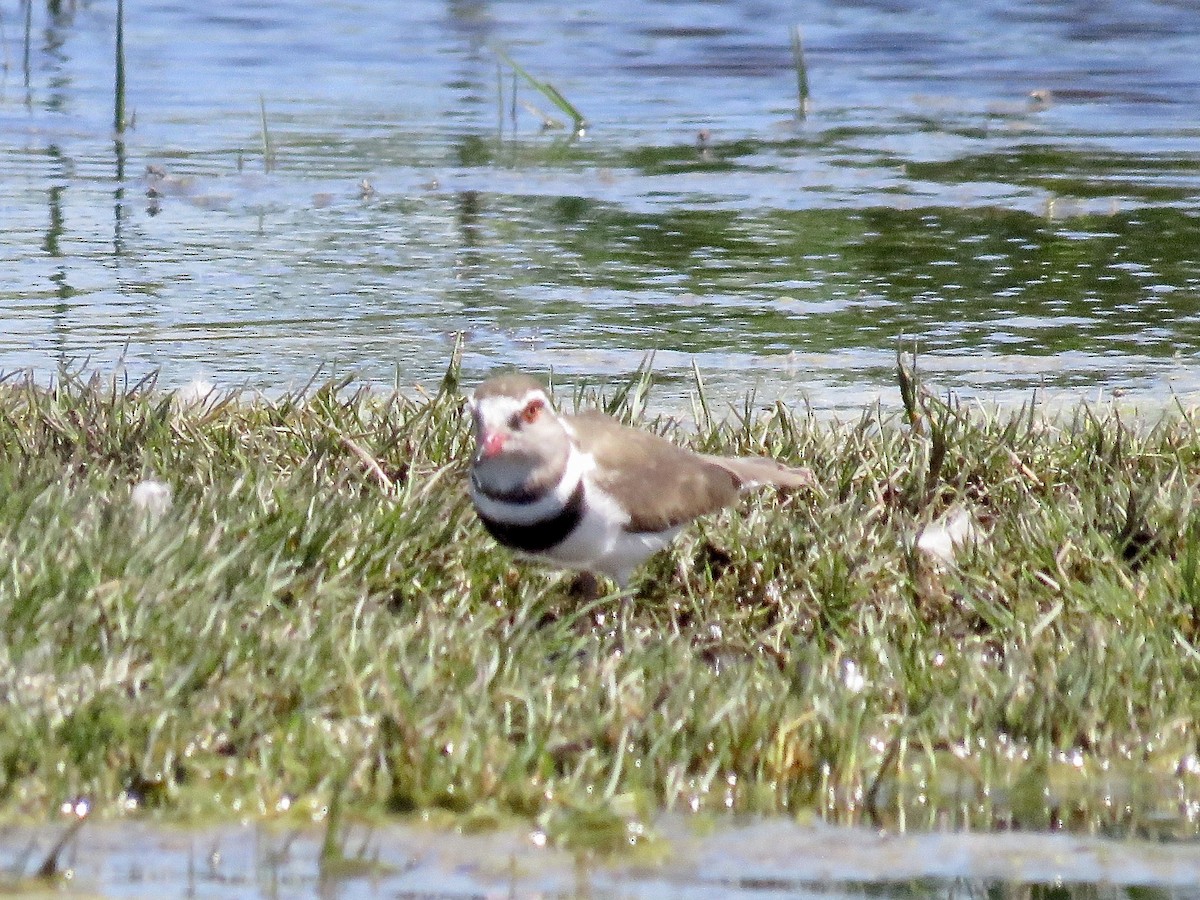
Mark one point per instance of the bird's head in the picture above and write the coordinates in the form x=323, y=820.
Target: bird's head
x=520, y=441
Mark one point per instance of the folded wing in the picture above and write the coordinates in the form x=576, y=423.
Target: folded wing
x=664, y=485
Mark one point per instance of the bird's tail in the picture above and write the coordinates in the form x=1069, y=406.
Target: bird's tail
x=755, y=471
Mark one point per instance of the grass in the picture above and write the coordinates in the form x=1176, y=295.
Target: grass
x=317, y=626
x=268, y=149
x=803, y=101
x=546, y=89
x=119, y=122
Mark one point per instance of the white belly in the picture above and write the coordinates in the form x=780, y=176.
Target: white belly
x=601, y=544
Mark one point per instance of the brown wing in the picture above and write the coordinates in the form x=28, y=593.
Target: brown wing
x=662, y=484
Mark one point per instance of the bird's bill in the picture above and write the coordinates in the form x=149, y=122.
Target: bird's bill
x=491, y=443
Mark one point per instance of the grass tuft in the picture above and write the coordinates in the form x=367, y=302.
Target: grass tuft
x=803, y=100
x=547, y=90
x=313, y=624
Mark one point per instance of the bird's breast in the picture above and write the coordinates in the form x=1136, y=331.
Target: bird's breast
x=536, y=535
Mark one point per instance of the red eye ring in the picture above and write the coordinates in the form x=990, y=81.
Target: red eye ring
x=532, y=410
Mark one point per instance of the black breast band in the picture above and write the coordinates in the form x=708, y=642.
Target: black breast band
x=535, y=537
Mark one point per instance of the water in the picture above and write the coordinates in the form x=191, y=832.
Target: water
x=755, y=861
x=927, y=201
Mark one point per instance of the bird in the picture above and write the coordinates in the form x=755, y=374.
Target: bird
x=585, y=492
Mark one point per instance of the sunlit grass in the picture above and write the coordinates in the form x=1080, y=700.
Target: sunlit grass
x=317, y=620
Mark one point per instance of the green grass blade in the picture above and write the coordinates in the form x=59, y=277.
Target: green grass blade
x=546, y=89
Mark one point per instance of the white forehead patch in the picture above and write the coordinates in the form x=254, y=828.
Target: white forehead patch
x=498, y=409
x=534, y=395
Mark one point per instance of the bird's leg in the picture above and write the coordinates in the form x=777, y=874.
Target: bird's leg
x=593, y=610
x=584, y=587
x=688, y=608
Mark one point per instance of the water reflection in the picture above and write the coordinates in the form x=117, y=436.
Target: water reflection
x=970, y=182
x=766, y=859
x=52, y=245
x=118, y=243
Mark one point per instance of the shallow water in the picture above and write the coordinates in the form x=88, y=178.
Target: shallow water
x=776, y=859
x=927, y=201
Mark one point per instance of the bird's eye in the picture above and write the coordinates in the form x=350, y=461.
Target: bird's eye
x=532, y=410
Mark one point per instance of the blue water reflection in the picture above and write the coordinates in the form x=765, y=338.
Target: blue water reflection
x=1012, y=188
